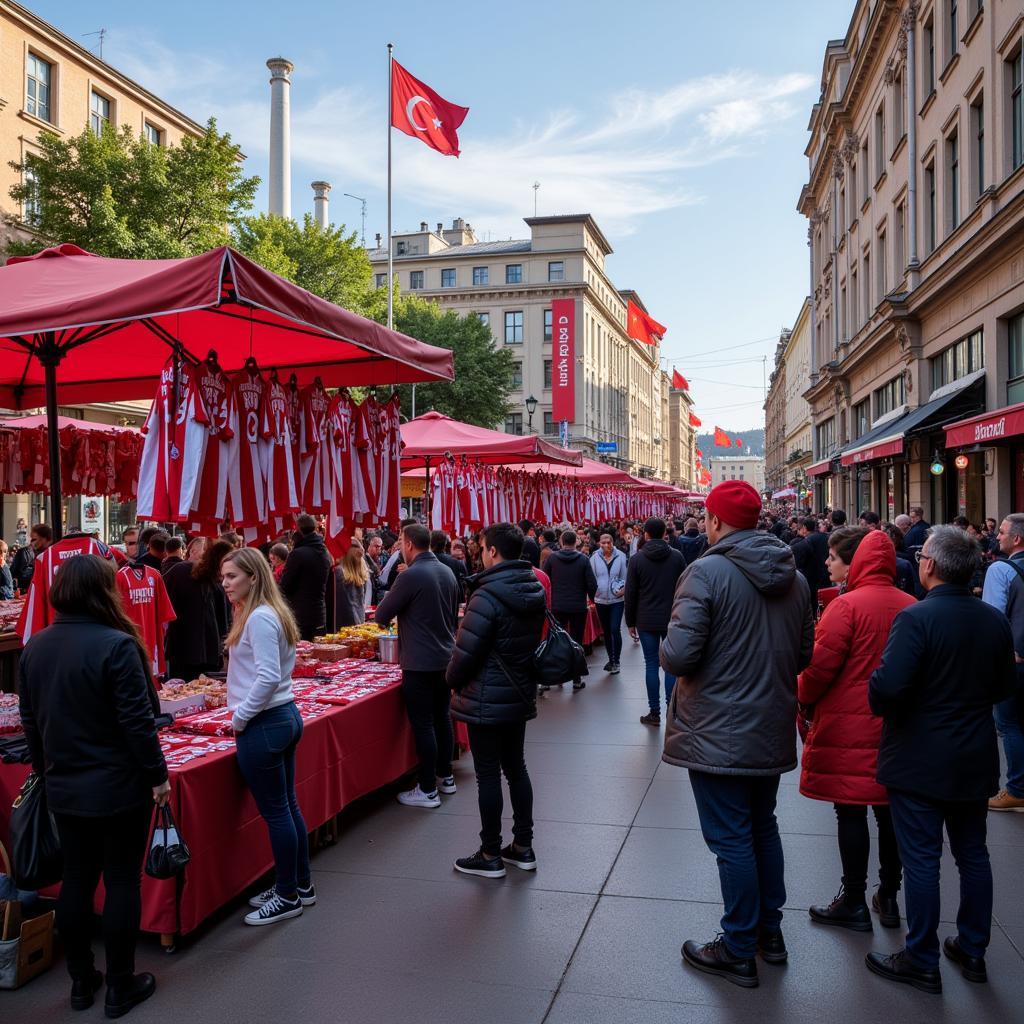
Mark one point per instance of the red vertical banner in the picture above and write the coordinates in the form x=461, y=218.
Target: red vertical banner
x=563, y=352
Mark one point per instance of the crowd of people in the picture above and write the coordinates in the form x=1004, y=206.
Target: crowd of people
x=884, y=647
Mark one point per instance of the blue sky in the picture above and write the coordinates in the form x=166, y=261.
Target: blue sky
x=681, y=130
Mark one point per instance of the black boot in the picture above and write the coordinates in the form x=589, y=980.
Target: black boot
x=126, y=995
x=714, y=958
x=83, y=989
x=772, y=947
x=844, y=912
x=971, y=967
x=897, y=967
x=887, y=909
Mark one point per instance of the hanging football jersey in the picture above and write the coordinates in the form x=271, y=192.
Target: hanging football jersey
x=248, y=450
x=314, y=451
x=145, y=599
x=209, y=506
x=280, y=472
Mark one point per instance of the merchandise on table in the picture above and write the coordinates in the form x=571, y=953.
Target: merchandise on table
x=330, y=652
x=10, y=715
x=10, y=612
x=179, y=698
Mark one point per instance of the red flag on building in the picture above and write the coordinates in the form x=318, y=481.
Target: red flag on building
x=694, y=421
x=679, y=382
x=738, y=442
x=722, y=439
x=700, y=454
x=420, y=112
x=641, y=326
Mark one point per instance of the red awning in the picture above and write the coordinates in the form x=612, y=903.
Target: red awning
x=433, y=435
x=31, y=422
x=988, y=428
x=593, y=472
x=820, y=468
x=115, y=322
x=877, y=450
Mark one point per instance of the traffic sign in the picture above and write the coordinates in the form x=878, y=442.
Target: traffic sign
x=607, y=447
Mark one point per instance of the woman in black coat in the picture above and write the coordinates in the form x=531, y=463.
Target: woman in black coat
x=88, y=707
x=195, y=639
x=491, y=672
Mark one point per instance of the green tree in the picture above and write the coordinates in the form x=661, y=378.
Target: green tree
x=120, y=196
x=483, y=372
x=326, y=261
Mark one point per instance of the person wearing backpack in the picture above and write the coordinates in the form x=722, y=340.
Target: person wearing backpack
x=494, y=680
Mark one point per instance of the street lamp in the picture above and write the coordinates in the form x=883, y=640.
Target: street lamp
x=531, y=408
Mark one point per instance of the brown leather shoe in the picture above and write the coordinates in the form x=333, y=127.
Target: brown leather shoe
x=1004, y=801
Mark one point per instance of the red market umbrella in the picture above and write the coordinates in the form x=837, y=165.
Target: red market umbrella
x=592, y=472
x=103, y=329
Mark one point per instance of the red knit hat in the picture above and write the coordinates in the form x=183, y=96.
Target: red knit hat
x=735, y=502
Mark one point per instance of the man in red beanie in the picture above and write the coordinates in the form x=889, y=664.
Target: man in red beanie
x=742, y=627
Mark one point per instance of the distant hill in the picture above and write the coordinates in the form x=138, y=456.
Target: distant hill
x=752, y=438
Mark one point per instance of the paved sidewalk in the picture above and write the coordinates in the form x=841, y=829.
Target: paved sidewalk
x=592, y=937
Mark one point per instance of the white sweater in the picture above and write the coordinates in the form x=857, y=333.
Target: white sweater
x=259, y=668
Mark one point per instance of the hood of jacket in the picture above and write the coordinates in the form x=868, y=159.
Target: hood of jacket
x=874, y=561
x=655, y=550
x=567, y=554
x=761, y=557
x=309, y=540
x=513, y=584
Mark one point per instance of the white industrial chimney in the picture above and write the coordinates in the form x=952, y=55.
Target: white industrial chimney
x=280, y=184
x=320, y=201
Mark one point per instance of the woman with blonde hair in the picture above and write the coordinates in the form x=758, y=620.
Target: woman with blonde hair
x=353, y=590
x=267, y=724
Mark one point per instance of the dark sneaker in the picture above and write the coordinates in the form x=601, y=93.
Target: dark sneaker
x=523, y=859
x=887, y=909
x=651, y=718
x=84, y=989
x=897, y=967
x=608, y=666
x=124, y=997
x=714, y=958
x=971, y=967
x=772, y=947
x=615, y=669
x=446, y=785
x=843, y=914
x=481, y=865
x=581, y=685
x=277, y=908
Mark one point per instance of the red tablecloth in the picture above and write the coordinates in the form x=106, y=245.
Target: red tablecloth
x=344, y=754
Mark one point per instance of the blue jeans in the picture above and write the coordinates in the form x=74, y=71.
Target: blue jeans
x=611, y=625
x=266, y=757
x=918, y=825
x=650, y=644
x=1009, y=728
x=737, y=818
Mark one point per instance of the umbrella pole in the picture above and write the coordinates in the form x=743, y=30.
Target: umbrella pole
x=50, y=356
x=427, y=490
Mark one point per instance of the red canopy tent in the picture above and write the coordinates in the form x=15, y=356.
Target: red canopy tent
x=104, y=330
x=593, y=472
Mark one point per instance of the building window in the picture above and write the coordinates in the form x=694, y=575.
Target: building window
x=1015, y=337
x=514, y=328
x=1017, y=108
x=400, y=248
x=865, y=172
x=880, y=142
x=517, y=375
x=844, y=324
x=959, y=359
x=481, y=275
x=547, y=324
x=928, y=57
x=549, y=425
x=854, y=304
x=379, y=280
x=99, y=113
x=953, y=181
x=556, y=271
x=978, y=135
x=929, y=207
x=861, y=418
x=826, y=437
x=152, y=134
x=868, y=307
x=954, y=34
x=32, y=209
x=514, y=423
x=484, y=318
x=899, y=106
x=898, y=241
x=882, y=270
x=547, y=374
x=514, y=273
x=890, y=396
x=852, y=215
x=37, y=88
x=447, y=278
x=415, y=279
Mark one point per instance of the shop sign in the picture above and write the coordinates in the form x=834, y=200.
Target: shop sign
x=989, y=429
x=563, y=375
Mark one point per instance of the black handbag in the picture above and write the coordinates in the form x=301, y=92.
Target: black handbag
x=35, y=848
x=558, y=658
x=168, y=853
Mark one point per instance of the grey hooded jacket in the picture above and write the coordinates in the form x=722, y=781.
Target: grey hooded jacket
x=742, y=627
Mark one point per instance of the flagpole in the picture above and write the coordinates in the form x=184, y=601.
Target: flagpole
x=391, y=268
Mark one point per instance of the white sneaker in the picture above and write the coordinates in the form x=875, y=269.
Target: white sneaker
x=307, y=897
x=415, y=797
x=277, y=908
x=446, y=785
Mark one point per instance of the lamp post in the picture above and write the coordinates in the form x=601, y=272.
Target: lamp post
x=531, y=408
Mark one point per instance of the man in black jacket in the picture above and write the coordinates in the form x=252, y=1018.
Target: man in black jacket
x=650, y=586
x=573, y=583
x=425, y=600
x=948, y=661
x=305, y=577
x=492, y=674
x=531, y=549
x=914, y=537
x=693, y=543
x=439, y=545
x=24, y=562
x=810, y=551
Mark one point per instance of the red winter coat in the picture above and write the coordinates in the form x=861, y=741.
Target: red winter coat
x=841, y=749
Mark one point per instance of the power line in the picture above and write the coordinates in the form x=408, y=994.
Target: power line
x=728, y=384
x=726, y=348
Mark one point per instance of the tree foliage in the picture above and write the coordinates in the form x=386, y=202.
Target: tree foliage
x=120, y=196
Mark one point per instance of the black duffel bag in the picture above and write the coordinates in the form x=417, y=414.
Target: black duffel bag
x=35, y=848
x=559, y=658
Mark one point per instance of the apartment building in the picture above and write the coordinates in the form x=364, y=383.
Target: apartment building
x=775, y=420
x=621, y=394
x=750, y=468
x=915, y=204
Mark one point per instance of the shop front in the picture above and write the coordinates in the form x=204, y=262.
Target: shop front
x=974, y=441
x=821, y=481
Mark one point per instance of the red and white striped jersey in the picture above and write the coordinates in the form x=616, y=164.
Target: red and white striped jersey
x=145, y=600
x=248, y=452
x=280, y=470
x=209, y=505
x=314, y=450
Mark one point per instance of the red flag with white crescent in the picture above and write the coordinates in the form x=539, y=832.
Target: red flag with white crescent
x=420, y=112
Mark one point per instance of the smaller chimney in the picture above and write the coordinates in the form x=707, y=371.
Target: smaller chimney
x=440, y=227
x=378, y=236
x=423, y=225
x=320, y=201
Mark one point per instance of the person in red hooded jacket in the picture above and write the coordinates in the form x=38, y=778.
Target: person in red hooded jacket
x=841, y=747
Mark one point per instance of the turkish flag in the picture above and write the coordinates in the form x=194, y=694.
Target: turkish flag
x=694, y=421
x=641, y=326
x=738, y=442
x=700, y=454
x=722, y=439
x=418, y=111
x=679, y=381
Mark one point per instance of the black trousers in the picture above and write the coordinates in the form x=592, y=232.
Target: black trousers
x=855, y=847
x=426, y=702
x=497, y=749
x=115, y=848
x=575, y=624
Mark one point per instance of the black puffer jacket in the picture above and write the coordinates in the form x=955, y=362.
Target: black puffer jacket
x=504, y=616
x=572, y=580
x=304, y=582
x=650, y=586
